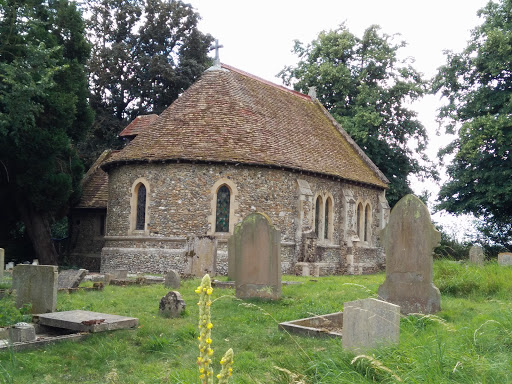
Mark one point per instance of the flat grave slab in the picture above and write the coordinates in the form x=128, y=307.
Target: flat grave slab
x=330, y=325
x=86, y=321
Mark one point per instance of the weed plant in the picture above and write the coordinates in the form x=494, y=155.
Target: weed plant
x=469, y=341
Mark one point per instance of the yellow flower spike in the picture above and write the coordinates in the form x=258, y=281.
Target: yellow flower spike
x=201, y=376
x=218, y=376
x=209, y=326
x=208, y=341
x=210, y=352
x=198, y=290
x=208, y=303
x=209, y=291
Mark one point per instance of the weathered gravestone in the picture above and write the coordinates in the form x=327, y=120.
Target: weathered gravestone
x=257, y=247
x=370, y=323
x=2, y=267
x=71, y=278
x=409, y=239
x=231, y=258
x=171, y=305
x=120, y=274
x=172, y=279
x=201, y=256
x=505, y=259
x=476, y=255
x=37, y=285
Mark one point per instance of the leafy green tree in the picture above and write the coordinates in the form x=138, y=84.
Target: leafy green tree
x=477, y=84
x=145, y=54
x=43, y=111
x=366, y=88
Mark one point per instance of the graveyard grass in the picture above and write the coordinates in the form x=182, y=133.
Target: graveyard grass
x=469, y=341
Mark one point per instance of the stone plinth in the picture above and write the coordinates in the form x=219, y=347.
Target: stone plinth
x=409, y=240
x=86, y=321
x=22, y=332
x=257, y=246
x=36, y=285
x=476, y=255
x=505, y=259
x=370, y=323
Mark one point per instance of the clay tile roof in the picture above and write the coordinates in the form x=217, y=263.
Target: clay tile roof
x=137, y=125
x=231, y=116
x=95, y=184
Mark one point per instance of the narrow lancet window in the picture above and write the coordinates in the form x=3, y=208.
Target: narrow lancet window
x=327, y=217
x=367, y=223
x=360, y=221
x=318, y=206
x=140, y=222
x=222, y=211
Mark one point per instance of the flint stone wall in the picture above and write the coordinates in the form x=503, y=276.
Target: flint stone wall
x=180, y=203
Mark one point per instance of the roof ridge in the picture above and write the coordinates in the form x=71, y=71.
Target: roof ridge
x=281, y=87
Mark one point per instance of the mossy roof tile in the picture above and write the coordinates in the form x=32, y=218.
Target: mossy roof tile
x=231, y=116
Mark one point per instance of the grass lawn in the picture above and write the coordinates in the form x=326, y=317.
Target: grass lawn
x=469, y=341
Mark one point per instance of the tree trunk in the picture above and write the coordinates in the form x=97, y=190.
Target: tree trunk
x=38, y=230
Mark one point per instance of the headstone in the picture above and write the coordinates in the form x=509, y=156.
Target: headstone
x=9, y=266
x=2, y=257
x=35, y=262
x=120, y=274
x=108, y=278
x=231, y=258
x=505, y=259
x=409, y=240
x=172, y=279
x=37, y=285
x=71, y=278
x=476, y=255
x=172, y=305
x=22, y=332
x=370, y=323
x=201, y=253
x=257, y=258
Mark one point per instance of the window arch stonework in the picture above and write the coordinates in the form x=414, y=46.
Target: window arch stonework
x=139, y=207
x=323, y=218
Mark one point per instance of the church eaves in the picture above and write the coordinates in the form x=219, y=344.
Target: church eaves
x=230, y=116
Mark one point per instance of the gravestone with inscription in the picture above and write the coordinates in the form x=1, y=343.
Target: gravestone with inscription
x=36, y=285
x=409, y=240
x=201, y=254
x=257, y=246
x=370, y=323
x=476, y=255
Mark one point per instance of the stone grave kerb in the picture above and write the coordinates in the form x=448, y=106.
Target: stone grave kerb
x=409, y=239
x=257, y=246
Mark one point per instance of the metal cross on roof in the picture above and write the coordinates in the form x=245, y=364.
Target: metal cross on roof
x=217, y=59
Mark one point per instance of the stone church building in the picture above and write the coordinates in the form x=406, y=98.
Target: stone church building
x=230, y=145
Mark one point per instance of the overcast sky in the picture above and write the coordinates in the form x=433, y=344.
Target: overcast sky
x=258, y=35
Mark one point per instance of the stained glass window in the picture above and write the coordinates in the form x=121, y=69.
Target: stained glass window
x=327, y=217
x=141, y=208
x=222, y=218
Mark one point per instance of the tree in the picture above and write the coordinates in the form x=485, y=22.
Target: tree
x=365, y=87
x=145, y=54
x=43, y=111
x=477, y=85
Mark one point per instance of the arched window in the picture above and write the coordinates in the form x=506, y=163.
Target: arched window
x=139, y=203
x=140, y=221
x=222, y=211
x=318, y=215
x=327, y=217
x=367, y=221
x=360, y=221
